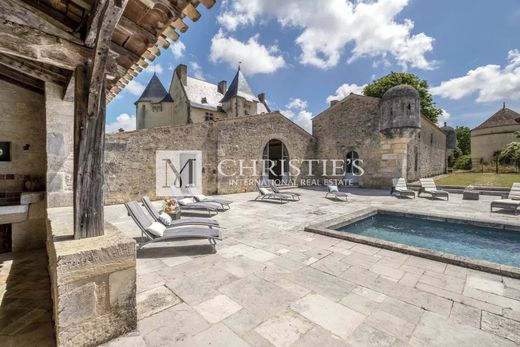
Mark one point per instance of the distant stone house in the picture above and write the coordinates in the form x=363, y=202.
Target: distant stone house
x=389, y=135
x=191, y=100
x=493, y=135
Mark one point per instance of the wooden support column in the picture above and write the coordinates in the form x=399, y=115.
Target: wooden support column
x=89, y=124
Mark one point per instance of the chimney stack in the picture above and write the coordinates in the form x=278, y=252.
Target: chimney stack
x=261, y=97
x=222, y=87
x=333, y=102
x=182, y=71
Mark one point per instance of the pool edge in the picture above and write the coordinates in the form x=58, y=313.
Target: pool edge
x=326, y=228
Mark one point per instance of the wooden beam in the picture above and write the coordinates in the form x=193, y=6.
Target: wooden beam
x=208, y=3
x=96, y=15
x=88, y=160
x=191, y=12
x=89, y=125
x=33, y=69
x=134, y=29
x=16, y=77
x=23, y=14
x=31, y=44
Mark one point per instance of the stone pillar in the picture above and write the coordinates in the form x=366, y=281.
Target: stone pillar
x=60, y=146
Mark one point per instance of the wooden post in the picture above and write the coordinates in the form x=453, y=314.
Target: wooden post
x=89, y=144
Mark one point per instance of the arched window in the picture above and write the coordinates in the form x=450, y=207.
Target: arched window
x=276, y=161
x=350, y=168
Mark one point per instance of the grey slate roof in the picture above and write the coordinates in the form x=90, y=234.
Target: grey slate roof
x=503, y=117
x=203, y=94
x=239, y=87
x=154, y=92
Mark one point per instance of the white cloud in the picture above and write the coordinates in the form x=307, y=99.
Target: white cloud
x=177, y=48
x=491, y=82
x=345, y=90
x=328, y=27
x=135, y=88
x=297, y=103
x=196, y=70
x=157, y=68
x=296, y=111
x=444, y=117
x=255, y=57
x=124, y=121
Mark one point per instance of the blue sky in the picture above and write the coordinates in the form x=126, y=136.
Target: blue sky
x=299, y=53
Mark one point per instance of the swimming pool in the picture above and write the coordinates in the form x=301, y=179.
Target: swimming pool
x=483, y=243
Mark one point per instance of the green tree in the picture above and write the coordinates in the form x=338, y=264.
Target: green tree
x=511, y=154
x=380, y=86
x=463, y=139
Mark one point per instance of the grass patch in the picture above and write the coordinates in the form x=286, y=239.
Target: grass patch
x=479, y=179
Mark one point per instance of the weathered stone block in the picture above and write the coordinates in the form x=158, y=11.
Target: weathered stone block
x=122, y=287
x=77, y=305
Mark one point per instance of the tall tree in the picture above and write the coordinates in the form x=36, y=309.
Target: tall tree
x=463, y=139
x=380, y=86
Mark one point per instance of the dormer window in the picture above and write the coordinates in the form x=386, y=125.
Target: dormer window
x=204, y=100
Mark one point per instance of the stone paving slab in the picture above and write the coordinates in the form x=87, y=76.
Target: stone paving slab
x=272, y=284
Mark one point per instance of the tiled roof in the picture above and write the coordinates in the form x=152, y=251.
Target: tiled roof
x=203, y=94
x=154, y=91
x=239, y=87
x=503, y=117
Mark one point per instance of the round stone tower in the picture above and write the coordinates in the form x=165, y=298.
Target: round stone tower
x=451, y=137
x=400, y=111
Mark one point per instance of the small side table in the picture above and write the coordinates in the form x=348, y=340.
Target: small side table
x=471, y=195
x=175, y=214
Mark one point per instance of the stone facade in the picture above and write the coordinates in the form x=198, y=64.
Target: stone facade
x=130, y=156
x=93, y=283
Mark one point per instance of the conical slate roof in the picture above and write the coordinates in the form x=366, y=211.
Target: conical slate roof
x=154, y=91
x=239, y=87
x=503, y=117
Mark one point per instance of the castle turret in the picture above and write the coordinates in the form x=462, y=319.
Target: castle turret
x=451, y=137
x=400, y=111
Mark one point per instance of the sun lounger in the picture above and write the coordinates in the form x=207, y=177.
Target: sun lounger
x=265, y=193
x=512, y=202
x=428, y=186
x=145, y=223
x=189, y=204
x=337, y=194
x=400, y=189
x=203, y=198
x=275, y=189
x=177, y=222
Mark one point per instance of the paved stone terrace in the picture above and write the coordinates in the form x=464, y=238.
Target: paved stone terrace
x=272, y=284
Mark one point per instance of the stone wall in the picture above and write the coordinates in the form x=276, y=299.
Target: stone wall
x=93, y=283
x=60, y=147
x=22, y=123
x=430, y=146
x=486, y=141
x=130, y=156
x=354, y=125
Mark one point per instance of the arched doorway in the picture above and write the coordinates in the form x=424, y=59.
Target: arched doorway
x=351, y=171
x=276, y=157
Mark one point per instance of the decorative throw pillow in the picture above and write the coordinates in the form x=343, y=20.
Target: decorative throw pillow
x=199, y=197
x=264, y=191
x=515, y=198
x=156, y=229
x=333, y=189
x=165, y=218
x=185, y=201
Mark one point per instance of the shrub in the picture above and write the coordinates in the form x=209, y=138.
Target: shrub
x=463, y=162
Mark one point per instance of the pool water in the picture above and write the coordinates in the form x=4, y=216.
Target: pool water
x=489, y=244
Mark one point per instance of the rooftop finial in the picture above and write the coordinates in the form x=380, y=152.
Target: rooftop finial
x=504, y=105
x=239, y=63
x=445, y=123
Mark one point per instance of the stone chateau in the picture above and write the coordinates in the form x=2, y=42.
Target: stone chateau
x=389, y=134
x=191, y=100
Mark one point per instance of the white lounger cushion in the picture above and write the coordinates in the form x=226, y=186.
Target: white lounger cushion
x=333, y=189
x=156, y=229
x=264, y=191
x=165, y=218
x=185, y=201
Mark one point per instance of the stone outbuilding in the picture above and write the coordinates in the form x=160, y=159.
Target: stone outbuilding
x=493, y=135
